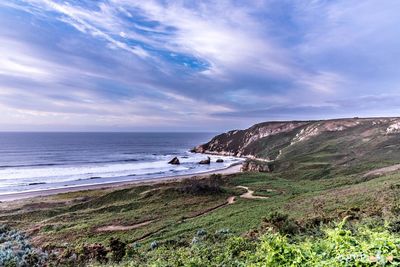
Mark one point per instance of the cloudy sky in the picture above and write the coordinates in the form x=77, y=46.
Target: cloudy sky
x=134, y=65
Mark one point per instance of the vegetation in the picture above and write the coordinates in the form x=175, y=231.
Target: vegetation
x=341, y=245
x=319, y=207
x=16, y=250
x=69, y=226
x=212, y=185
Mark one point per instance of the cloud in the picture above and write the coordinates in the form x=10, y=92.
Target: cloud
x=188, y=65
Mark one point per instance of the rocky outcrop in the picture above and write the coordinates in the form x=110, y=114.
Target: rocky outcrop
x=174, y=161
x=205, y=161
x=219, y=161
x=257, y=166
x=394, y=128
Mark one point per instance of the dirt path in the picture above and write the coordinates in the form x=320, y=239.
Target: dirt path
x=249, y=193
x=112, y=228
x=231, y=200
x=381, y=171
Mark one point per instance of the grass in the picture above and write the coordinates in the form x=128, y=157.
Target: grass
x=59, y=219
x=342, y=244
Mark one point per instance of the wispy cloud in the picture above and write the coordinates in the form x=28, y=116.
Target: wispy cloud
x=190, y=65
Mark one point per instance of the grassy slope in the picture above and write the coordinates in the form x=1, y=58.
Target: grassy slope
x=54, y=220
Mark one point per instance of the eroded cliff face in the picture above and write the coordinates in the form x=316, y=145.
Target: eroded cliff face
x=235, y=143
x=267, y=141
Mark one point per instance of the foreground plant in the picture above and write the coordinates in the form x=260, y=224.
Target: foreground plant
x=15, y=250
x=341, y=245
x=337, y=246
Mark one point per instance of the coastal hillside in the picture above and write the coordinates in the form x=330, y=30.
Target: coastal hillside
x=340, y=144
x=311, y=193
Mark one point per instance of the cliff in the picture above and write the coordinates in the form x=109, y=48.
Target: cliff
x=338, y=142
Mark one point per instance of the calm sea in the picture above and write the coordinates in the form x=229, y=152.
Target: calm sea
x=37, y=161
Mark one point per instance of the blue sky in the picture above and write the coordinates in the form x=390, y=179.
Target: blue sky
x=130, y=65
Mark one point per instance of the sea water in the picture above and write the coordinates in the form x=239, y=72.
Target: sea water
x=39, y=161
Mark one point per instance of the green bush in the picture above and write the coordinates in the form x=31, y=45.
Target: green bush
x=338, y=246
x=118, y=249
x=209, y=186
x=282, y=223
x=16, y=250
x=342, y=245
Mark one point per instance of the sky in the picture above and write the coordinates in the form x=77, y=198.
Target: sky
x=134, y=65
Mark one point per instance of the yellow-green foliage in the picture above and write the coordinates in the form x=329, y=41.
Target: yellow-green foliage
x=360, y=246
x=338, y=247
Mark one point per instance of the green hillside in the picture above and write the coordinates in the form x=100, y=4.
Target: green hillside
x=333, y=147
x=332, y=198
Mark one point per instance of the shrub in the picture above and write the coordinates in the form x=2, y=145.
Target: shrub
x=211, y=185
x=394, y=227
x=340, y=245
x=282, y=223
x=133, y=249
x=118, y=249
x=16, y=250
x=201, y=232
x=94, y=252
x=221, y=234
x=154, y=245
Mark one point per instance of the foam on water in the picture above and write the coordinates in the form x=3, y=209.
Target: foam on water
x=123, y=159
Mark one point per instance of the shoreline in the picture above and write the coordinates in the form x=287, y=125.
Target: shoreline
x=232, y=169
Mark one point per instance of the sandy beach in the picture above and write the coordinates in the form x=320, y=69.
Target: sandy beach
x=235, y=168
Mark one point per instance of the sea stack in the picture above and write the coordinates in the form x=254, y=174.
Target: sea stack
x=205, y=161
x=174, y=161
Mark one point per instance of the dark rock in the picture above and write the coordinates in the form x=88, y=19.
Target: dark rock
x=174, y=161
x=219, y=160
x=205, y=161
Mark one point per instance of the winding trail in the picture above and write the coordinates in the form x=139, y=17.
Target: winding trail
x=229, y=201
x=382, y=171
x=112, y=228
x=249, y=193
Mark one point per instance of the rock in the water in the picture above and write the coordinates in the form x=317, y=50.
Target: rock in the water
x=205, y=161
x=219, y=160
x=174, y=161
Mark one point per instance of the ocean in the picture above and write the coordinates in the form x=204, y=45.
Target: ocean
x=39, y=161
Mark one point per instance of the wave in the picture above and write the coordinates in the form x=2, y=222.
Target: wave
x=23, y=179
x=59, y=173
x=64, y=164
x=29, y=165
